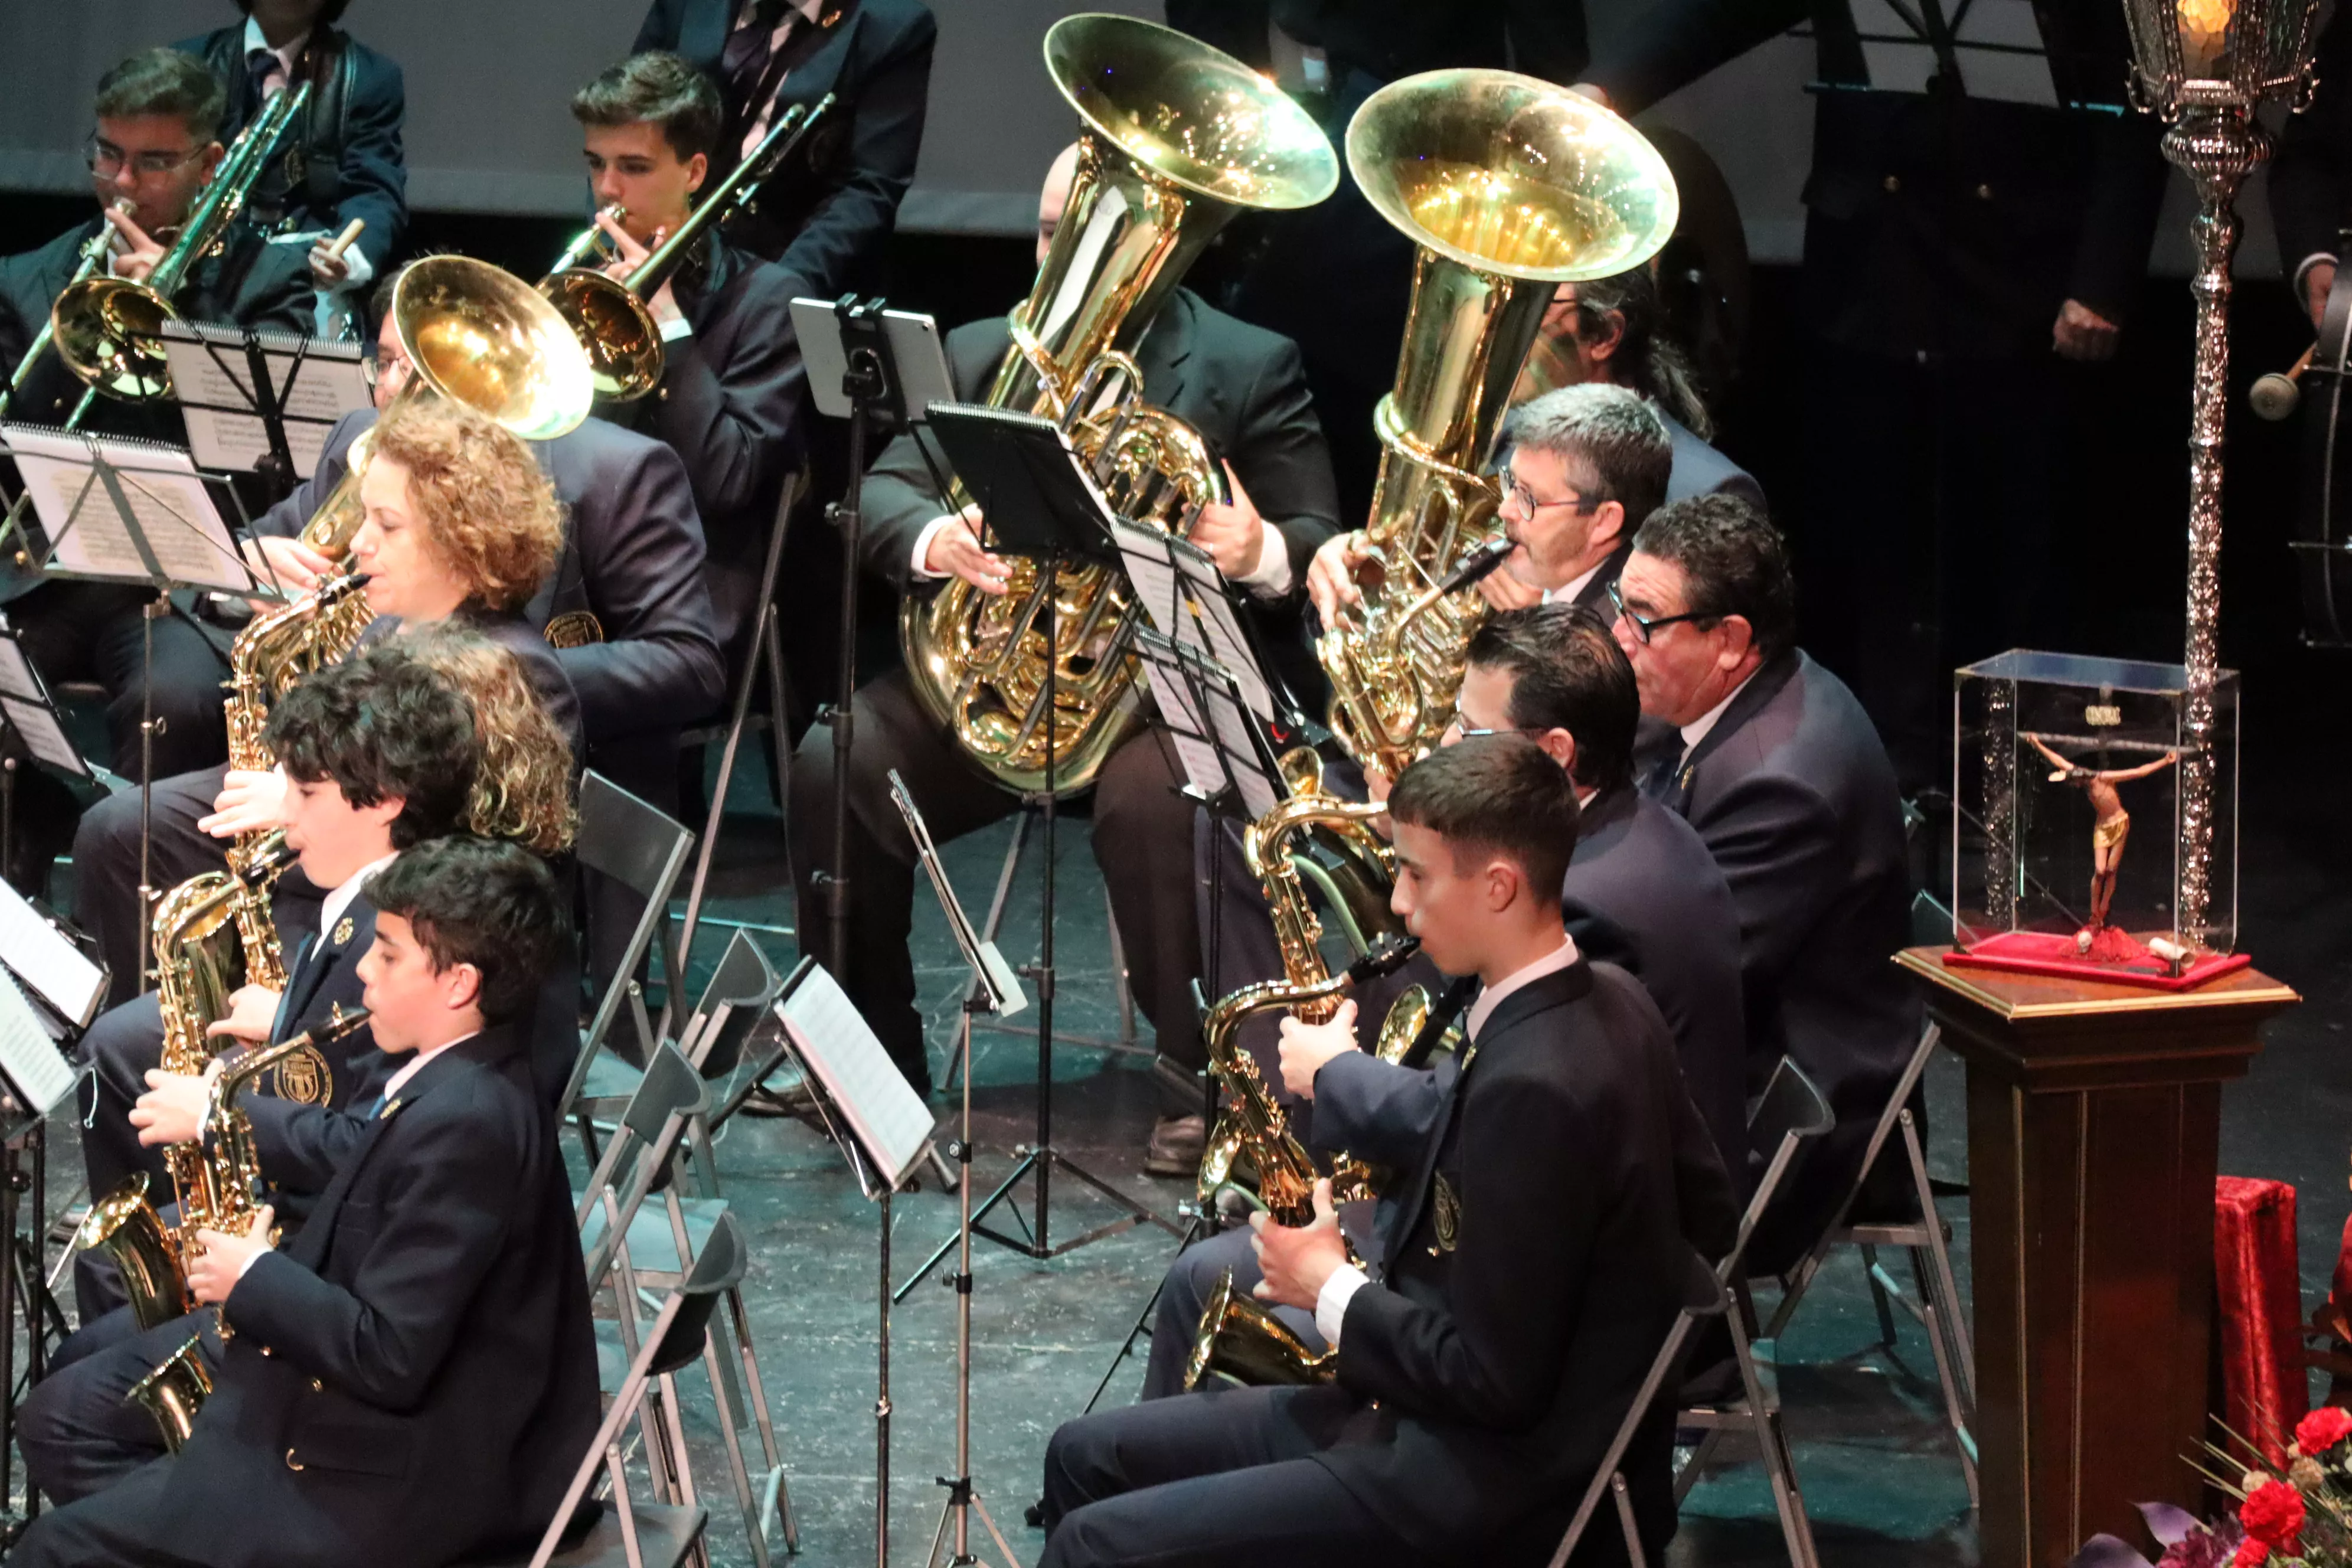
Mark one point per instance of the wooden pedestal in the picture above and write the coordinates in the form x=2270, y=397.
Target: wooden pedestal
x=2093, y=1118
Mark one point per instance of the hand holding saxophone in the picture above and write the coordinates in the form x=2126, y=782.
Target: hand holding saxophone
x=252, y=1011
x=214, y=1272
x=292, y=566
x=251, y=801
x=172, y=1111
x=1307, y=1047
x=1298, y=1259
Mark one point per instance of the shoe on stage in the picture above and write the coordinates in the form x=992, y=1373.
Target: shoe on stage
x=1176, y=1146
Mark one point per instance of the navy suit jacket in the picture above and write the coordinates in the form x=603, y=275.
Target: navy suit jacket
x=732, y=405
x=1535, y=1261
x=347, y=161
x=633, y=557
x=825, y=215
x=412, y=1380
x=1792, y=793
x=1642, y=892
x=1241, y=387
x=1699, y=470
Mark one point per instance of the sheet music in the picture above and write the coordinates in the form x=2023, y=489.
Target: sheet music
x=1152, y=576
x=891, y=1123
x=16, y=677
x=1226, y=641
x=1236, y=737
x=26, y=704
x=160, y=485
x=38, y=1072
x=317, y=382
x=45, y=960
x=1204, y=766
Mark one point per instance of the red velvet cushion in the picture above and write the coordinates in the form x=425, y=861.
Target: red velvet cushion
x=2261, y=1312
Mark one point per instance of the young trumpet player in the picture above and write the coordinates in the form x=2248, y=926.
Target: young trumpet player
x=410, y=1381
x=733, y=393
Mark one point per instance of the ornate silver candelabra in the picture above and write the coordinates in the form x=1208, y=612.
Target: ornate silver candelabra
x=2204, y=66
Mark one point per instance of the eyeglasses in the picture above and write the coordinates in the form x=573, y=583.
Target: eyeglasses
x=1518, y=494
x=1466, y=730
x=108, y=160
x=1646, y=626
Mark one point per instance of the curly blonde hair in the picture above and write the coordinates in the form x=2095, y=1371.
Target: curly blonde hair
x=490, y=515
x=522, y=788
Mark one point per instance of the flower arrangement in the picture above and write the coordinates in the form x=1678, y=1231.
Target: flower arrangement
x=2301, y=1519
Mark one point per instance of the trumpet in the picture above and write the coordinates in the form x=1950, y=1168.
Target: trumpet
x=609, y=315
x=105, y=327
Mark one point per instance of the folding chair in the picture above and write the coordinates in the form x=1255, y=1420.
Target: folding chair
x=1937, y=1308
x=644, y=849
x=1703, y=1296
x=1791, y=1116
x=764, y=655
x=713, y=1039
x=631, y=1534
x=641, y=1245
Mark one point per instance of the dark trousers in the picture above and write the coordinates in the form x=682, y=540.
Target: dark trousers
x=94, y=631
x=1142, y=838
x=78, y=1431
x=1186, y=1291
x=120, y=1047
x=127, y=1524
x=1227, y=1477
x=106, y=871
x=1927, y=536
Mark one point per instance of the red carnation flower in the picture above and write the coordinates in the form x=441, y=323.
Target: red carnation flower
x=2322, y=1429
x=2272, y=1514
x=2250, y=1554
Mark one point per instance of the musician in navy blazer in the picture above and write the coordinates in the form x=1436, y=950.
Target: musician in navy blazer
x=344, y=161
x=1533, y=1256
x=734, y=393
x=824, y=215
x=412, y=1380
x=1641, y=891
x=1771, y=759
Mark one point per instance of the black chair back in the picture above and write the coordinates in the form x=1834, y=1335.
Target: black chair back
x=1791, y=1117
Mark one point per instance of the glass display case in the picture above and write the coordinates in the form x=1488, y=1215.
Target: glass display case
x=2071, y=776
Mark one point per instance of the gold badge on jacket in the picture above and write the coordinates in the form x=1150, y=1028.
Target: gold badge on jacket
x=343, y=928
x=1448, y=1215
x=304, y=1077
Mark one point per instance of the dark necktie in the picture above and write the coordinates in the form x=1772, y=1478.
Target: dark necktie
x=1657, y=781
x=745, y=58
x=265, y=73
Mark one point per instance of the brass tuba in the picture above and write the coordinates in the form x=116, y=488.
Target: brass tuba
x=176, y=1389
x=1508, y=186
x=106, y=328
x=609, y=316
x=1178, y=138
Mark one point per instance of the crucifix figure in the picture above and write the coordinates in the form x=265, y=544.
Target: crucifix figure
x=2110, y=824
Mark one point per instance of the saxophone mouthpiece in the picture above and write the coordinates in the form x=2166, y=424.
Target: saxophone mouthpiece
x=1388, y=955
x=1481, y=562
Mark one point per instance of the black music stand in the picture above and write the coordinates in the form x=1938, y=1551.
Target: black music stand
x=130, y=511
x=260, y=402
x=871, y=383
x=1039, y=501
x=884, y=1130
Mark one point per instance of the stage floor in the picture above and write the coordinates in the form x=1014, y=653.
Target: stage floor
x=1880, y=1478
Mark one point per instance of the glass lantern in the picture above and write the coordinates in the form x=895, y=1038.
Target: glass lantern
x=2066, y=841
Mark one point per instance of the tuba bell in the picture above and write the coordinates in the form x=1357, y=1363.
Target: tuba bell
x=1178, y=138
x=1508, y=187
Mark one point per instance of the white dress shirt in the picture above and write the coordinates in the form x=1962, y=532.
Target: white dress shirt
x=1697, y=729
x=288, y=55
x=1340, y=1288
x=1567, y=594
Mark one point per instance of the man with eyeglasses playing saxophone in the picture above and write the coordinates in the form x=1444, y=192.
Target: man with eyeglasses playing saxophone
x=155, y=148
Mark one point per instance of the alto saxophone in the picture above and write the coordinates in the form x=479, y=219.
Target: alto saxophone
x=212, y=934
x=175, y=1391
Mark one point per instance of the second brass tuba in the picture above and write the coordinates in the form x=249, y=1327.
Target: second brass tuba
x=1508, y=186
x=1178, y=138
